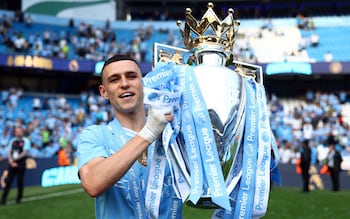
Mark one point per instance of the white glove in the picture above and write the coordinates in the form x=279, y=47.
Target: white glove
x=155, y=124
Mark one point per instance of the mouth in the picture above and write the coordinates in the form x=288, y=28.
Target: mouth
x=126, y=95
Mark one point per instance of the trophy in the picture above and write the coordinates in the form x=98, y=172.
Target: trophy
x=213, y=94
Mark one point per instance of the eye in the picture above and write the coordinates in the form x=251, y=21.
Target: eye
x=114, y=79
x=132, y=75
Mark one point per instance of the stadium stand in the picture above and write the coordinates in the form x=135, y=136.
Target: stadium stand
x=66, y=115
x=94, y=41
x=333, y=39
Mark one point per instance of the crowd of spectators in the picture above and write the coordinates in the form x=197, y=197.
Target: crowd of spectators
x=78, y=41
x=309, y=37
x=82, y=40
x=51, y=122
x=90, y=42
x=317, y=118
x=54, y=122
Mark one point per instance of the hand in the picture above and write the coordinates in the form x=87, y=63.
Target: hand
x=13, y=164
x=156, y=120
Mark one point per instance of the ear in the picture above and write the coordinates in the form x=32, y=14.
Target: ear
x=103, y=92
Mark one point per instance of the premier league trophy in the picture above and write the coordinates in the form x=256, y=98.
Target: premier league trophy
x=220, y=144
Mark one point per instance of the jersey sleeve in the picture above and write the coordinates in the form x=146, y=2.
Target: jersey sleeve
x=90, y=145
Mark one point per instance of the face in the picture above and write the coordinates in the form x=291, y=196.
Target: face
x=18, y=132
x=122, y=86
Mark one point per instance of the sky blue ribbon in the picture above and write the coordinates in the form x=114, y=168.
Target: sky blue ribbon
x=245, y=199
x=191, y=143
x=206, y=140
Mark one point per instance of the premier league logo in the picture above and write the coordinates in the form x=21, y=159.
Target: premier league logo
x=221, y=142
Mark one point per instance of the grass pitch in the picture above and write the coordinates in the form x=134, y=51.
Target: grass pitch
x=70, y=202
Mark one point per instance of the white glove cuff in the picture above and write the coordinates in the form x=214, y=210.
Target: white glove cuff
x=149, y=133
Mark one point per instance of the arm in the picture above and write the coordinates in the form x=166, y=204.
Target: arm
x=25, y=150
x=101, y=173
x=10, y=158
x=21, y=155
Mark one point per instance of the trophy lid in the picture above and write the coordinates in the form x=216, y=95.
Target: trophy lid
x=210, y=33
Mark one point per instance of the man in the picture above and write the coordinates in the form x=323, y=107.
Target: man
x=334, y=159
x=305, y=157
x=17, y=153
x=113, y=158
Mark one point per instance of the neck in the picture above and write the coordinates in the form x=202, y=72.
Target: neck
x=133, y=121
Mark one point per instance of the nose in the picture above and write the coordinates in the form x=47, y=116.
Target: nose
x=124, y=82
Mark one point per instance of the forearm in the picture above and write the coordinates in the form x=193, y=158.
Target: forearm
x=21, y=155
x=9, y=156
x=100, y=174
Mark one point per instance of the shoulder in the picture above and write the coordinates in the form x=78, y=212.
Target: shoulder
x=10, y=143
x=91, y=144
x=93, y=130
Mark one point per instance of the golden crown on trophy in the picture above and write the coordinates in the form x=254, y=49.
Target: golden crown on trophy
x=209, y=31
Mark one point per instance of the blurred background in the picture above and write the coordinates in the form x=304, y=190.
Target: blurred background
x=51, y=54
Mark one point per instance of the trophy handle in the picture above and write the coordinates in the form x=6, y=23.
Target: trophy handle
x=248, y=70
x=165, y=54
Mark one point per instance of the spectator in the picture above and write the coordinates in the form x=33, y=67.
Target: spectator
x=284, y=132
x=36, y=103
x=311, y=24
x=18, y=149
x=47, y=37
x=45, y=136
x=302, y=21
x=71, y=23
x=308, y=130
x=286, y=153
x=34, y=151
x=13, y=97
x=343, y=96
x=6, y=21
x=28, y=21
x=328, y=56
x=267, y=24
x=5, y=136
x=63, y=156
x=334, y=160
x=305, y=157
x=19, y=16
x=3, y=152
x=4, y=96
x=50, y=150
x=314, y=38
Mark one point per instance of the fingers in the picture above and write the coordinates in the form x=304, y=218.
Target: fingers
x=169, y=117
x=157, y=118
x=162, y=114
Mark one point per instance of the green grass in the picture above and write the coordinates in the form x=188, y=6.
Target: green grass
x=292, y=203
x=75, y=204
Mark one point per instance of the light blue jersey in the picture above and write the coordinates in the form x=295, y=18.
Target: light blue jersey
x=126, y=199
